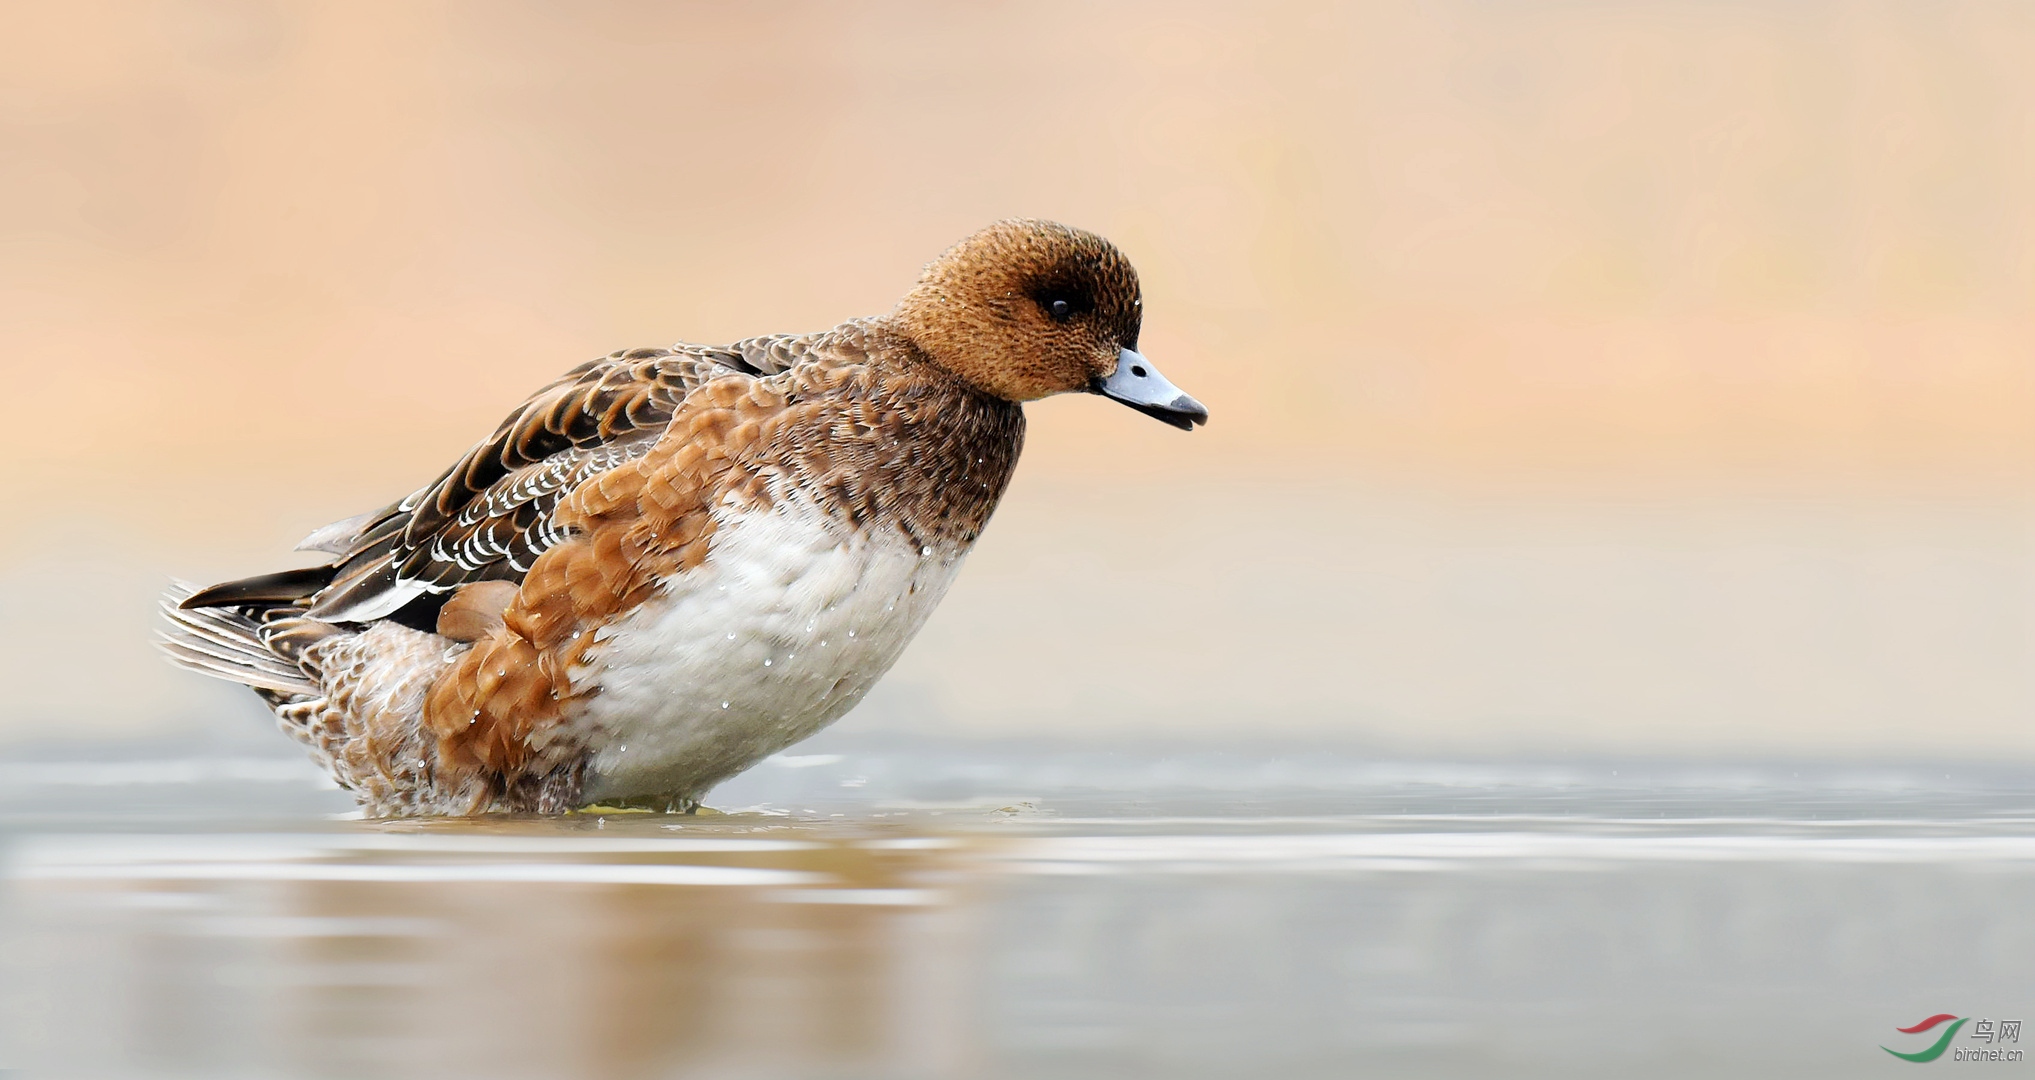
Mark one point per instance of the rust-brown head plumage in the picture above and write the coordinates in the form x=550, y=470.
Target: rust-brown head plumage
x=1025, y=309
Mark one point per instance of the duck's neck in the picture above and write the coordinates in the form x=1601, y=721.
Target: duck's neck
x=912, y=446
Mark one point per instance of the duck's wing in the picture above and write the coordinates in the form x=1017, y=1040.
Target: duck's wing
x=490, y=515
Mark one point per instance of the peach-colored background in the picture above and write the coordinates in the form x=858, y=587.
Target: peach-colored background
x=1589, y=376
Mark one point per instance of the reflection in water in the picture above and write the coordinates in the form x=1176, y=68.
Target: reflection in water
x=544, y=953
x=1430, y=920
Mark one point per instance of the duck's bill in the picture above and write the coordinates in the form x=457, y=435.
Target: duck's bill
x=1138, y=384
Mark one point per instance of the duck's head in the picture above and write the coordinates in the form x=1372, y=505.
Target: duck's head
x=1025, y=309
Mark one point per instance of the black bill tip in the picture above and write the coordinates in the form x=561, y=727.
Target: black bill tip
x=1182, y=412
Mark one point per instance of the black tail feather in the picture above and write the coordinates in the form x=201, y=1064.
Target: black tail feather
x=284, y=587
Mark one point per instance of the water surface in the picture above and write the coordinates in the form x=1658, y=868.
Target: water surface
x=872, y=909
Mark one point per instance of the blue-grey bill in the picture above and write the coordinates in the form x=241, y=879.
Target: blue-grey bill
x=1138, y=384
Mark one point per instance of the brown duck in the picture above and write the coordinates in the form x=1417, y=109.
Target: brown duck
x=673, y=562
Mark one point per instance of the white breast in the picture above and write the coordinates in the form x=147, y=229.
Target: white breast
x=779, y=632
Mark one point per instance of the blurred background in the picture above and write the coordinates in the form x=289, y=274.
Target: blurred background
x=1601, y=376
x=1595, y=636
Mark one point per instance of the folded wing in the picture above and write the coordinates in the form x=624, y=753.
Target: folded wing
x=491, y=514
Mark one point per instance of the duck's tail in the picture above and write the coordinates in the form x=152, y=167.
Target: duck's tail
x=226, y=644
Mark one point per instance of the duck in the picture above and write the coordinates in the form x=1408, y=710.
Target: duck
x=673, y=562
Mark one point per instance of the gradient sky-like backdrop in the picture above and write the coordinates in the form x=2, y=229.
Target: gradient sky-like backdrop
x=1604, y=376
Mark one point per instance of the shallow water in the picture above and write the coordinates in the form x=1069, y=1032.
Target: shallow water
x=872, y=909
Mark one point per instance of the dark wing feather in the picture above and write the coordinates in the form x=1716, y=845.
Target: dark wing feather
x=490, y=515
x=283, y=587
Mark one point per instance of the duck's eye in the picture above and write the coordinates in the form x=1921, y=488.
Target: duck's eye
x=1060, y=309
